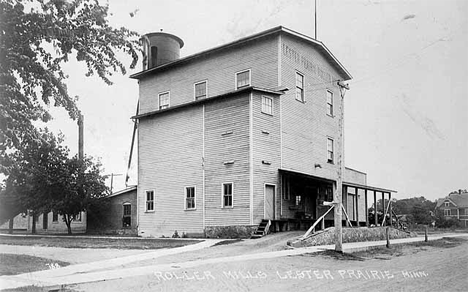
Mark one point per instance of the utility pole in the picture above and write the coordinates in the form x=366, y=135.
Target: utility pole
x=339, y=182
x=80, y=137
x=315, y=19
x=112, y=180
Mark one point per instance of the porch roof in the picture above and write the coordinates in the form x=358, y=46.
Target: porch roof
x=367, y=187
x=288, y=171
x=348, y=184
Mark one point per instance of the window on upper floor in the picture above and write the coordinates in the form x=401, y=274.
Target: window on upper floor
x=466, y=211
x=164, y=100
x=189, y=198
x=330, y=151
x=200, y=90
x=227, y=195
x=447, y=212
x=267, y=105
x=329, y=103
x=447, y=204
x=242, y=79
x=149, y=201
x=299, y=86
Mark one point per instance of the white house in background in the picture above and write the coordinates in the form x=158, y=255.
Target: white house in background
x=52, y=223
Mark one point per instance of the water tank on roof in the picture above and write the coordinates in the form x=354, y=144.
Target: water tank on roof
x=160, y=48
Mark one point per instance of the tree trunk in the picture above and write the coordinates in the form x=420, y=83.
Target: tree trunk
x=10, y=225
x=67, y=219
x=33, y=231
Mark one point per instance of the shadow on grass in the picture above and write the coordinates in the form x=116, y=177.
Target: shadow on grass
x=226, y=242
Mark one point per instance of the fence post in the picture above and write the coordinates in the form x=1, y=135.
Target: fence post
x=387, y=235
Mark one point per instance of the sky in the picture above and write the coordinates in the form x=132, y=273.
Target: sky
x=406, y=113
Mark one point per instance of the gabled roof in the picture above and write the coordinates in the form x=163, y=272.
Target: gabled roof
x=460, y=200
x=276, y=30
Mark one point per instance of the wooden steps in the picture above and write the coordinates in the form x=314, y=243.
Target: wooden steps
x=263, y=229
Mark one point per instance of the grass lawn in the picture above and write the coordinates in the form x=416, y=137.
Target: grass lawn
x=384, y=253
x=13, y=264
x=76, y=242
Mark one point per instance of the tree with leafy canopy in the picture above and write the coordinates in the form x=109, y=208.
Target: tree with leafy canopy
x=31, y=178
x=44, y=178
x=36, y=39
x=81, y=184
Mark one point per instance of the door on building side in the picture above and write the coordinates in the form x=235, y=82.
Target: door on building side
x=269, y=202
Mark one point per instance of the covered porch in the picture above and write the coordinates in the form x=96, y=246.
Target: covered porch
x=302, y=198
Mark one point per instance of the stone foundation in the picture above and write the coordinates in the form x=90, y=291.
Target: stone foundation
x=238, y=231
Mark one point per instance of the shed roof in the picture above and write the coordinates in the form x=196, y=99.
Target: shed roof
x=274, y=91
x=124, y=191
x=276, y=30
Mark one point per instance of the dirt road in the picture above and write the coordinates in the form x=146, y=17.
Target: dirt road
x=435, y=267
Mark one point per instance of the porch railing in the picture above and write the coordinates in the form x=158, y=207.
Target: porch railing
x=311, y=230
x=321, y=219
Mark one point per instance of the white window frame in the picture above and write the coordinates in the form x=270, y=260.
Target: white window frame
x=250, y=78
x=446, y=204
x=466, y=211
x=332, y=150
x=147, y=201
x=265, y=109
x=195, y=90
x=161, y=107
x=123, y=208
x=330, y=104
x=447, y=212
x=232, y=195
x=194, y=198
x=302, y=99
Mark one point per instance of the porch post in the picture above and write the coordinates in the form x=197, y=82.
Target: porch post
x=365, y=206
x=375, y=208
x=383, y=207
x=357, y=206
x=390, y=209
x=345, y=202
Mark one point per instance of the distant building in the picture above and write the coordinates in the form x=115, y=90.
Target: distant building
x=120, y=215
x=455, y=206
x=20, y=222
x=240, y=133
x=52, y=223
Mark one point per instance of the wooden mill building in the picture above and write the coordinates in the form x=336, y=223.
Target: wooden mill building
x=239, y=133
